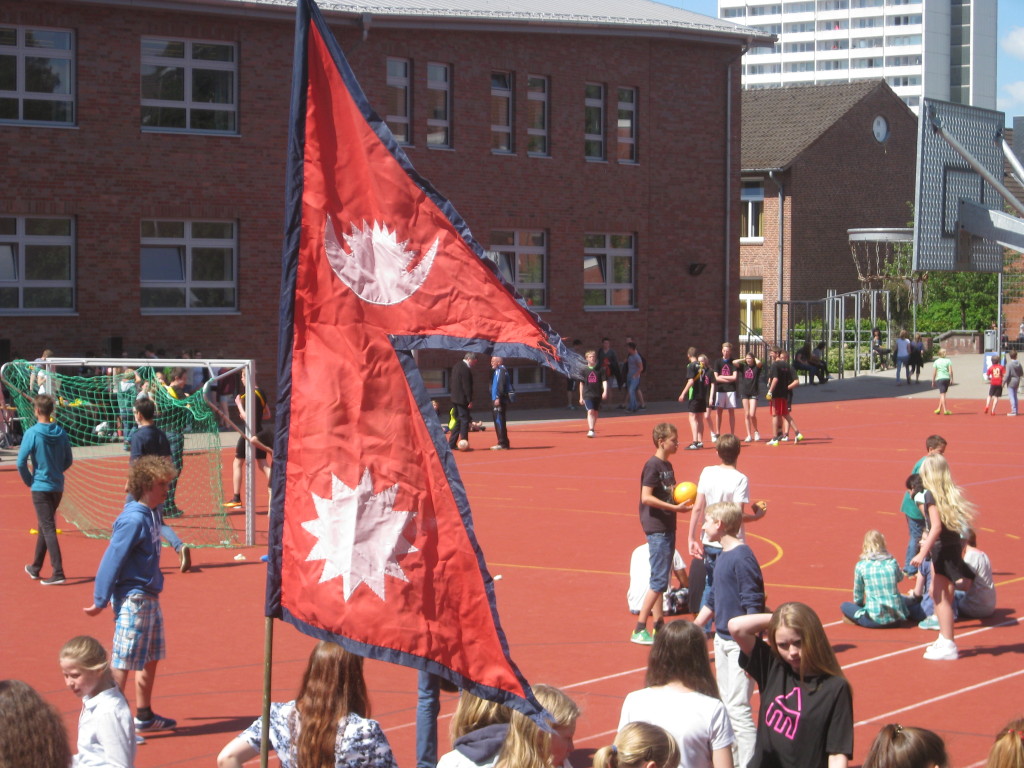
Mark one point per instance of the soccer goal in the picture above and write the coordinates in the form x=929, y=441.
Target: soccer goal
x=94, y=399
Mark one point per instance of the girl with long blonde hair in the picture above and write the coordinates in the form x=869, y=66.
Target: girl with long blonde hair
x=639, y=745
x=877, y=601
x=527, y=746
x=947, y=516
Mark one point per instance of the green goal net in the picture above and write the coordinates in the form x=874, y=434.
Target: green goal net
x=96, y=412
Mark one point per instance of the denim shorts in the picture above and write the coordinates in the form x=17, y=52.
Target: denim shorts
x=138, y=633
x=661, y=547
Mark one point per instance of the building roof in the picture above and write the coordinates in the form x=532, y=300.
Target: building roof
x=596, y=16
x=780, y=123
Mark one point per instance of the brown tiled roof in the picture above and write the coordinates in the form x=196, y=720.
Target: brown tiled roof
x=780, y=123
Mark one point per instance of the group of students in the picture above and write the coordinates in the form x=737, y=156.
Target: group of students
x=942, y=554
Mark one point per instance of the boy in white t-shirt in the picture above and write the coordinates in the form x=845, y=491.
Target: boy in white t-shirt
x=719, y=482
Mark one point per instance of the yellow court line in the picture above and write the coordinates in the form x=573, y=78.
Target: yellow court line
x=554, y=568
x=844, y=590
x=778, y=549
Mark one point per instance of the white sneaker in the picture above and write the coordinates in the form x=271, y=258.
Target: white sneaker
x=590, y=433
x=757, y=437
x=746, y=439
x=714, y=438
x=942, y=650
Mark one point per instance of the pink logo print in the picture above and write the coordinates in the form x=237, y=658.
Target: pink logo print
x=784, y=718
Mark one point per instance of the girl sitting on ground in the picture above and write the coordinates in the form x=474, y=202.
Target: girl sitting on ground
x=876, y=597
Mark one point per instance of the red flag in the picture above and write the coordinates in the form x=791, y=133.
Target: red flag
x=371, y=539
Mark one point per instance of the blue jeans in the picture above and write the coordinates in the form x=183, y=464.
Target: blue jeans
x=1013, y=398
x=710, y=556
x=634, y=385
x=660, y=549
x=916, y=528
x=903, y=362
x=428, y=704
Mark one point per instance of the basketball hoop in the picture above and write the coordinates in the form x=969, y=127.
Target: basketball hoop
x=874, y=249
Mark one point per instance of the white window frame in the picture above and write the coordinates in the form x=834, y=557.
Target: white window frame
x=190, y=67
x=589, y=103
x=14, y=247
x=538, y=89
x=439, y=124
x=503, y=140
x=21, y=51
x=187, y=243
x=603, y=247
x=752, y=201
x=402, y=84
x=627, y=125
x=507, y=256
x=523, y=378
x=747, y=312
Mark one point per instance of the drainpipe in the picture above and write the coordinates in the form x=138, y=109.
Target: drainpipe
x=779, y=297
x=727, y=282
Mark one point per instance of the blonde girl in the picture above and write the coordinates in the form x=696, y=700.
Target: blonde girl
x=1008, y=751
x=805, y=697
x=639, y=745
x=527, y=746
x=682, y=697
x=947, y=515
x=106, y=730
x=876, y=597
x=478, y=730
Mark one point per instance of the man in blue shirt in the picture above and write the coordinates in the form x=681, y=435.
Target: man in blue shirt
x=501, y=395
x=129, y=578
x=47, y=446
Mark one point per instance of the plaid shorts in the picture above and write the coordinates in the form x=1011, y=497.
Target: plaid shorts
x=138, y=633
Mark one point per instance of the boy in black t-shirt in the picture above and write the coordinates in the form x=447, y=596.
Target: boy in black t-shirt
x=781, y=382
x=695, y=397
x=593, y=391
x=658, y=517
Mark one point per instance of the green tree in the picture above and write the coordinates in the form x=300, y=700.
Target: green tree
x=965, y=300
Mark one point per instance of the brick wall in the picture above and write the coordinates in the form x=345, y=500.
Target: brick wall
x=109, y=175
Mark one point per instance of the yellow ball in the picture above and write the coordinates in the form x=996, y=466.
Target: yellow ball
x=684, y=492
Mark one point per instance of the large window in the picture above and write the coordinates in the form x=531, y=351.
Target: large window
x=609, y=268
x=399, y=100
x=189, y=85
x=521, y=256
x=752, y=211
x=439, y=107
x=502, y=134
x=751, y=307
x=37, y=265
x=189, y=266
x=37, y=75
x=537, y=115
x=593, y=122
x=627, y=126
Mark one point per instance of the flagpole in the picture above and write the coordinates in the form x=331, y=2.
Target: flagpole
x=268, y=654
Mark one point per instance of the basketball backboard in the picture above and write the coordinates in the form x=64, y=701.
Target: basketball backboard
x=944, y=178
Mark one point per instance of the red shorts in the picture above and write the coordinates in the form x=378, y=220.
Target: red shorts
x=779, y=406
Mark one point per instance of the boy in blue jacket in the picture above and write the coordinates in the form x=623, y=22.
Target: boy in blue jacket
x=48, y=447
x=129, y=578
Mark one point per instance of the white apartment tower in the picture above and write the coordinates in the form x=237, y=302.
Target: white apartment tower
x=943, y=49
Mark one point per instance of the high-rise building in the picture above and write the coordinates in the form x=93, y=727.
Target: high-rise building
x=942, y=49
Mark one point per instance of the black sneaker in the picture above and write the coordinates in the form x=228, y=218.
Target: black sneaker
x=32, y=573
x=53, y=581
x=155, y=723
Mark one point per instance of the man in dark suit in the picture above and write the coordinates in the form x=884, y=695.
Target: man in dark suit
x=461, y=386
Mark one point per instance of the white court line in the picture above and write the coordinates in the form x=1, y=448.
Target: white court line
x=940, y=698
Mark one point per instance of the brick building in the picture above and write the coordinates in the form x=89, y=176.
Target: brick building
x=817, y=161
x=593, y=148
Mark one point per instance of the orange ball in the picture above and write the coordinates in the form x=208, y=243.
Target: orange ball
x=684, y=492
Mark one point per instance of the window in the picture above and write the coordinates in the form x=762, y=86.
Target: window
x=439, y=107
x=765, y=10
x=764, y=69
x=866, y=22
x=609, y=263
x=37, y=265
x=867, y=42
x=833, y=25
x=752, y=211
x=593, y=122
x=865, y=3
x=807, y=6
x=904, y=21
x=37, y=76
x=188, y=266
x=521, y=256
x=904, y=81
x=804, y=47
x=399, y=100
x=797, y=27
x=529, y=378
x=501, y=112
x=902, y=61
x=751, y=307
x=831, y=65
x=537, y=115
x=626, y=139
x=188, y=85
x=869, y=63
x=733, y=13
x=833, y=5
x=833, y=45
x=904, y=40
x=799, y=66
x=768, y=29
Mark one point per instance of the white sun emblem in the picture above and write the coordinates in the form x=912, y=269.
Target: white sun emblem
x=359, y=535
x=375, y=265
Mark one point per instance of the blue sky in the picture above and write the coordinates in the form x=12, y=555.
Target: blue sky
x=1010, y=62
